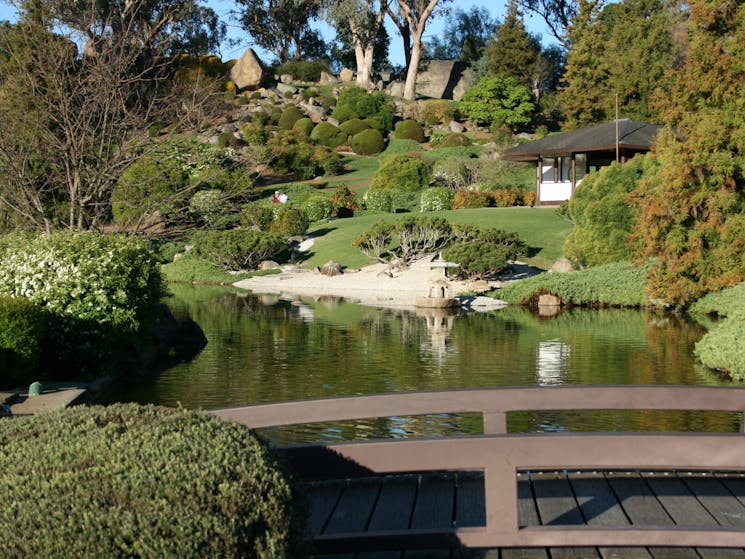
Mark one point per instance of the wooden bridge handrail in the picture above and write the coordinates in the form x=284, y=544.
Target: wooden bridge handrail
x=492, y=403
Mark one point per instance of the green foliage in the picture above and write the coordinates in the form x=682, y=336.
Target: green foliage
x=290, y=115
x=611, y=285
x=378, y=200
x=257, y=216
x=209, y=206
x=602, y=214
x=304, y=126
x=353, y=126
x=291, y=154
x=142, y=481
x=401, y=171
x=368, y=142
x=100, y=292
x=436, y=111
x=191, y=269
x=357, y=102
x=328, y=135
x=436, y=199
x=228, y=140
x=471, y=199
x=255, y=133
x=409, y=130
x=403, y=201
x=720, y=348
x=164, y=179
x=318, y=208
x=238, y=249
x=493, y=102
x=22, y=331
x=344, y=201
x=483, y=253
x=402, y=147
x=451, y=140
x=421, y=235
x=375, y=241
x=303, y=70
x=290, y=222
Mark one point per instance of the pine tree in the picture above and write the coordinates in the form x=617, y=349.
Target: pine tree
x=512, y=52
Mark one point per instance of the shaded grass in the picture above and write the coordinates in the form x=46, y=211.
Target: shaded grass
x=540, y=228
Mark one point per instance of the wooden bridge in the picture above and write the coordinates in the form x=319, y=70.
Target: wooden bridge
x=506, y=495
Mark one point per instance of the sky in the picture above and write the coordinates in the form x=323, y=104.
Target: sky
x=496, y=8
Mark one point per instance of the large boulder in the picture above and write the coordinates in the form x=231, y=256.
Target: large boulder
x=442, y=79
x=331, y=268
x=346, y=75
x=248, y=73
x=327, y=79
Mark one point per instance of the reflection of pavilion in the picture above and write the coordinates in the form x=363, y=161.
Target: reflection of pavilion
x=552, y=363
x=439, y=325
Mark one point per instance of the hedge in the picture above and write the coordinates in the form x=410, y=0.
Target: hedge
x=238, y=249
x=22, y=330
x=141, y=481
x=401, y=171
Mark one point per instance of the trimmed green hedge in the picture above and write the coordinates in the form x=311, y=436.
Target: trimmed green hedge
x=22, y=329
x=238, y=249
x=611, y=285
x=141, y=481
x=721, y=347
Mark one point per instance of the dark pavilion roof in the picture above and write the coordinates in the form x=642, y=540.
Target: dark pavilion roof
x=632, y=135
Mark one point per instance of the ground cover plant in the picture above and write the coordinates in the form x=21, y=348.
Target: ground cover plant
x=612, y=285
x=141, y=481
x=720, y=348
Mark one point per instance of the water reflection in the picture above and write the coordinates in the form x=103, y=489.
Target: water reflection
x=264, y=349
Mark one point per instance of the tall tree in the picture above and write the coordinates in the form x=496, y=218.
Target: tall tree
x=557, y=14
x=362, y=21
x=282, y=27
x=464, y=37
x=416, y=13
x=692, y=217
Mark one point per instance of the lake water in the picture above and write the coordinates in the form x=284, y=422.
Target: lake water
x=263, y=349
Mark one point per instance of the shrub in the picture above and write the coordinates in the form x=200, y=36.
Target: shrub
x=142, y=481
x=403, y=200
x=507, y=197
x=436, y=111
x=228, y=140
x=22, y=329
x=290, y=222
x=529, y=198
x=420, y=235
x=496, y=101
x=402, y=147
x=257, y=216
x=238, y=249
x=344, y=201
x=368, y=142
x=303, y=70
x=603, y=218
x=466, y=199
x=409, y=130
x=209, y=206
x=372, y=123
x=290, y=115
x=401, y=171
x=478, y=260
x=374, y=242
x=611, y=285
x=357, y=102
x=378, y=200
x=100, y=292
x=436, y=199
x=304, y=126
x=293, y=155
x=255, y=134
x=328, y=135
x=318, y=208
x=455, y=139
x=343, y=113
x=353, y=126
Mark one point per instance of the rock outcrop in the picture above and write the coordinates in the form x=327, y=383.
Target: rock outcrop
x=248, y=73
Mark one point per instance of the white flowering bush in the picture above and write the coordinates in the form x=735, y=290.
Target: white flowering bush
x=436, y=199
x=100, y=291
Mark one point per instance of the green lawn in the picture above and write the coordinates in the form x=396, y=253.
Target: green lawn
x=540, y=228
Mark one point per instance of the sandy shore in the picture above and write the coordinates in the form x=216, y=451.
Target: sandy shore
x=372, y=285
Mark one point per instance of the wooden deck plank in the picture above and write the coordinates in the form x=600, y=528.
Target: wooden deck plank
x=600, y=507
x=527, y=516
x=352, y=513
x=470, y=501
x=643, y=509
x=434, y=508
x=322, y=499
x=557, y=506
x=393, y=511
x=726, y=509
x=679, y=502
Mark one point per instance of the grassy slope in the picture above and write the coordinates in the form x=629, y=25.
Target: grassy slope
x=541, y=228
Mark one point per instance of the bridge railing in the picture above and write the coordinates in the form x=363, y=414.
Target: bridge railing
x=501, y=456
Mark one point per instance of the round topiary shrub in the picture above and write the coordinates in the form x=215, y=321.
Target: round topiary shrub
x=409, y=130
x=141, y=481
x=318, y=208
x=343, y=112
x=454, y=140
x=327, y=135
x=290, y=115
x=378, y=200
x=256, y=217
x=373, y=123
x=436, y=199
x=290, y=222
x=353, y=126
x=401, y=171
x=304, y=126
x=237, y=249
x=368, y=142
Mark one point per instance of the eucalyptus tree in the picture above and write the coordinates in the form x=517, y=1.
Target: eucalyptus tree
x=363, y=21
x=465, y=35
